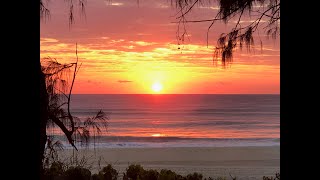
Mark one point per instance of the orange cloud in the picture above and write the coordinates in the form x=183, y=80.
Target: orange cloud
x=117, y=45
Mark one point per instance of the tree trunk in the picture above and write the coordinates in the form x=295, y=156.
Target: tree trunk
x=43, y=118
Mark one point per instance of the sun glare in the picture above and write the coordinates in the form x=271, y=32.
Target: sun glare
x=157, y=135
x=156, y=87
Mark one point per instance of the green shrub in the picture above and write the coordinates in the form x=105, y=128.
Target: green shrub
x=95, y=177
x=194, y=176
x=150, y=175
x=77, y=173
x=108, y=173
x=218, y=178
x=59, y=171
x=55, y=171
x=169, y=175
x=277, y=177
x=134, y=172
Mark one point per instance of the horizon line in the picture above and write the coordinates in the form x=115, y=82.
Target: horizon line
x=175, y=94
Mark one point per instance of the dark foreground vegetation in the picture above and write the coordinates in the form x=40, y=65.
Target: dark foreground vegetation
x=58, y=171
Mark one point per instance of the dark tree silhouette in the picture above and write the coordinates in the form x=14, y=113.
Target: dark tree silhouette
x=50, y=109
x=266, y=14
x=44, y=114
x=55, y=100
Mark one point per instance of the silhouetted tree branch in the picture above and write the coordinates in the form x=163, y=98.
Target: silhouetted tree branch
x=240, y=34
x=64, y=129
x=45, y=12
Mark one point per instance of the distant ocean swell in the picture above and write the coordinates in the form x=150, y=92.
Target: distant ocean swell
x=166, y=142
x=184, y=120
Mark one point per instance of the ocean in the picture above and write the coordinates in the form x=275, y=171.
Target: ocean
x=183, y=120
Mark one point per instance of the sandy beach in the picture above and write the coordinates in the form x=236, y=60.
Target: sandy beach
x=242, y=162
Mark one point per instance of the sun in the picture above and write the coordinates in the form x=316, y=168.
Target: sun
x=156, y=87
x=157, y=135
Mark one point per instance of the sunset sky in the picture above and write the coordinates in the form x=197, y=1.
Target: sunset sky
x=130, y=48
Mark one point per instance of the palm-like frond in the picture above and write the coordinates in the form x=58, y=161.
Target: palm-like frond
x=59, y=95
x=91, y=126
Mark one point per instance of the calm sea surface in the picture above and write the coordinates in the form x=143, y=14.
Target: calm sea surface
x=184, y=120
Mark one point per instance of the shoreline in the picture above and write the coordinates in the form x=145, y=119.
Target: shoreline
x=250, y=162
